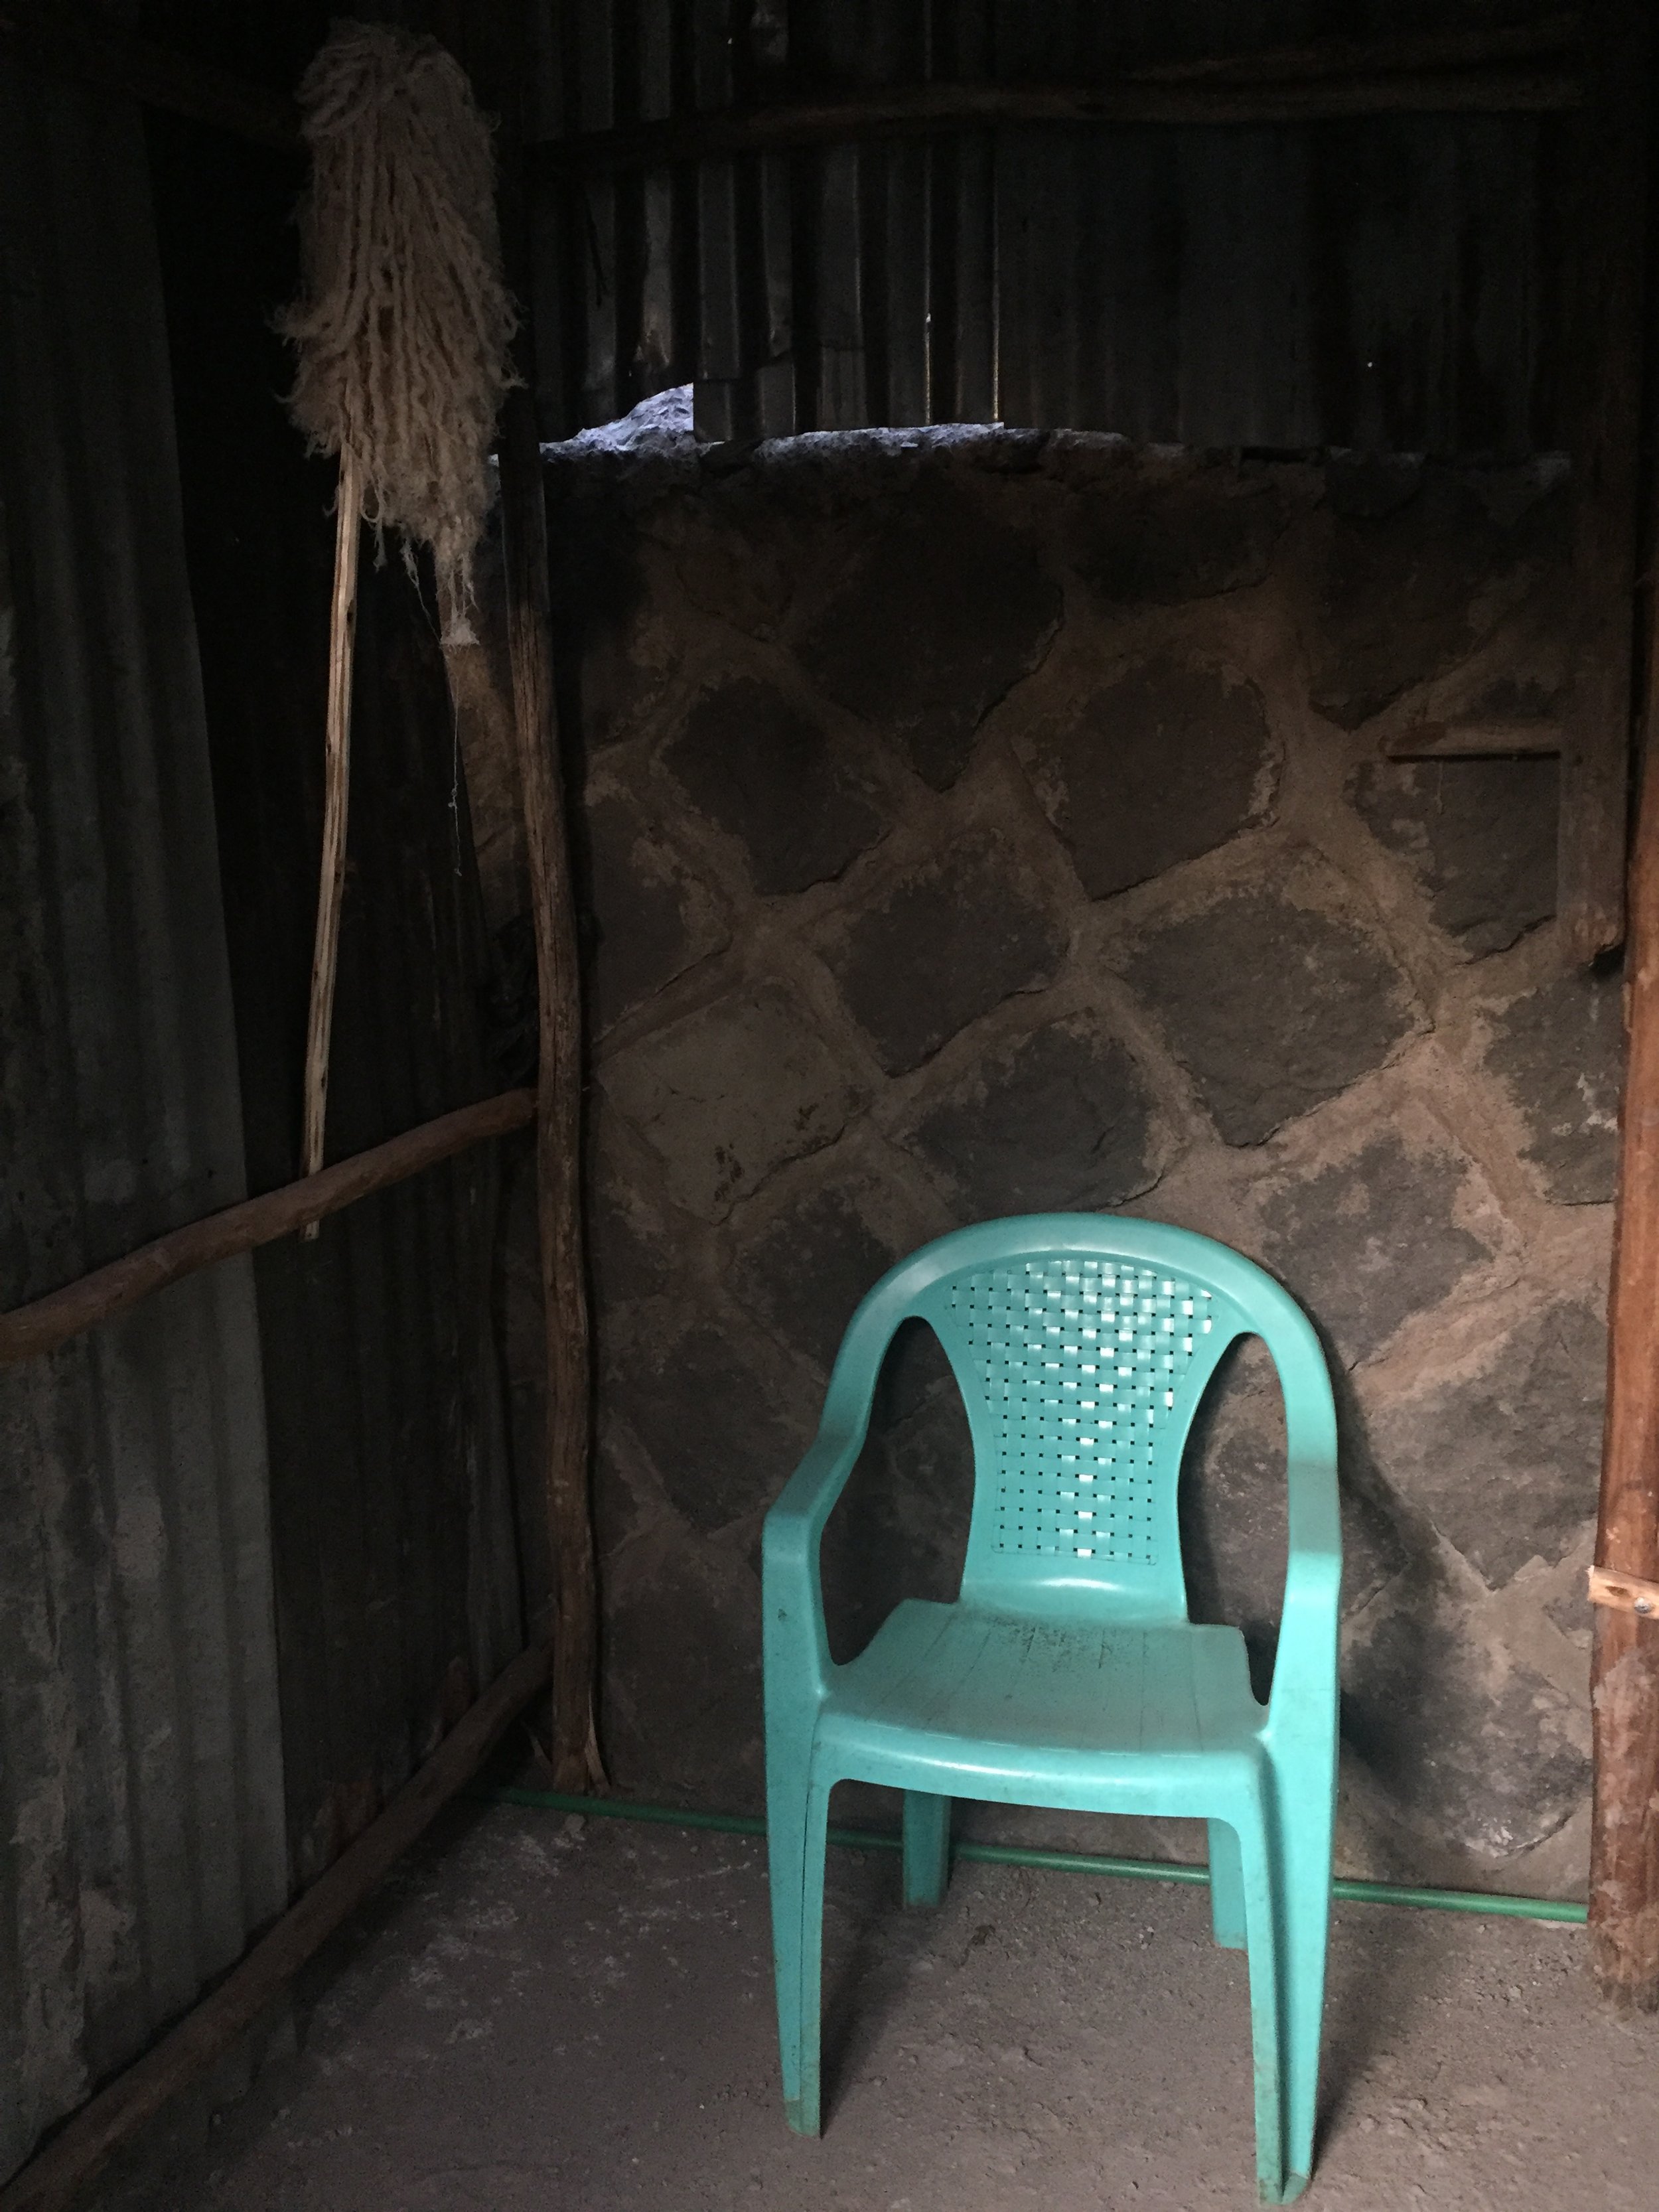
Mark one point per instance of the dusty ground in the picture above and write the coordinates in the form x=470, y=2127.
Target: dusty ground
x=543, y=2013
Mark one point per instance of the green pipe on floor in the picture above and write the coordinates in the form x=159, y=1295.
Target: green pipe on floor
x=1021, y=1855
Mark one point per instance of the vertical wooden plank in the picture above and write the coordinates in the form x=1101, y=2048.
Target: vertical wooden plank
x=558, y=1128
x=1607, y=241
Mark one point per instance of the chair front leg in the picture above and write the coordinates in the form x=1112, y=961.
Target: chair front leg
x=798, y=1816
x=1260, y=1882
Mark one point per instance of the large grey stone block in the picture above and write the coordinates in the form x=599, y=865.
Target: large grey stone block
x=727, y=1094
x=900, y=1528
x=942, y=945
x=1366, y=1242
x=1059, y=1117
x=761, y=770
x=1167, y=762
x=1234, y=1529
x=613, y=629
x=806, y=1270
x=681, y=1674
x=1560, y=1051
x=1480, y=835
x=701, y=1406
x=1139, y=535
x=1399, y=590
x=1272, y=1006
x=941, y=616
x=1476, y=1747
x=1504, y=1462
x=629, y=1255
x=651, y=919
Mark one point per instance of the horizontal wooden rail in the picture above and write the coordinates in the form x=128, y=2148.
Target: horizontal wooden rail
x=1546, y=38
x=51, y=2181
x=926, y=109
x=28, y=1331
x=1516, y=69
x=1624, y=1593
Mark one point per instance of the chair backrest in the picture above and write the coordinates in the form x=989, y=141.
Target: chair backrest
x=1082, y=1345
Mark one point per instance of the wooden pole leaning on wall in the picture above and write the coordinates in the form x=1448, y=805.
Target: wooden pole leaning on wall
x=576, y=1762
x=1624, y=1894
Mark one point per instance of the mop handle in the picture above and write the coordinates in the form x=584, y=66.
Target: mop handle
x=325, y=960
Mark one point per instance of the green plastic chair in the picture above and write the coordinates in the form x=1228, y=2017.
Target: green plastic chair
x=1067, y=1674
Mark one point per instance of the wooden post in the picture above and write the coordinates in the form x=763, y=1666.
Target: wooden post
x=1607, y=239
x=576, y=1761
x=1624, y=1896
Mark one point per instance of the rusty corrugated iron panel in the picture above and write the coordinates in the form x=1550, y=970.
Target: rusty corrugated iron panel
x=1381, y=281
x=140, y=1789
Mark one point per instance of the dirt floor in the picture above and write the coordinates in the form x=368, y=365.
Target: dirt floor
x=540, y=2012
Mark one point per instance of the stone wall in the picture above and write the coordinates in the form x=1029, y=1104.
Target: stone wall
x=979, y=823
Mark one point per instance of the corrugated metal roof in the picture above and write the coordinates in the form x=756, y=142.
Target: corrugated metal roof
x=1381, y=282
x=141, y=1786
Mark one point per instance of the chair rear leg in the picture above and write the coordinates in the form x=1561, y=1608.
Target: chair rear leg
x=927, y=1847
x=797, y=1829
x=1261, y=1940
x=1226, y=1886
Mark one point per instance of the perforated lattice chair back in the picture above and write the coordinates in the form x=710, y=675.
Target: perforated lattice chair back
x=1080, y=1374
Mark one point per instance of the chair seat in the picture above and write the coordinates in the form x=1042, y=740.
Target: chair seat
x=1041, y=1691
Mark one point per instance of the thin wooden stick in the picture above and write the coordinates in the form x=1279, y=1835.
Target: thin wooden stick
x=1433, y=741
x=324, y=961
x=576, y=1762
x=50, y=2182
x=43, y=1325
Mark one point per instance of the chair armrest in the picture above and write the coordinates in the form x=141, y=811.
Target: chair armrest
x=796, y=1649
x=798, y=1515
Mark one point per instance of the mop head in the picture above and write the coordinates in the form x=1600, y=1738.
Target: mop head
x=403, y=323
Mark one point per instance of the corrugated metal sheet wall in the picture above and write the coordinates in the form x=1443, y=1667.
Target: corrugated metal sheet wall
x=397, y=1560
x=141, y=1785
x=1384, y=282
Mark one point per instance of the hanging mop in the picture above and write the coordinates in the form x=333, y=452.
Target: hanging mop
x=402, y=331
